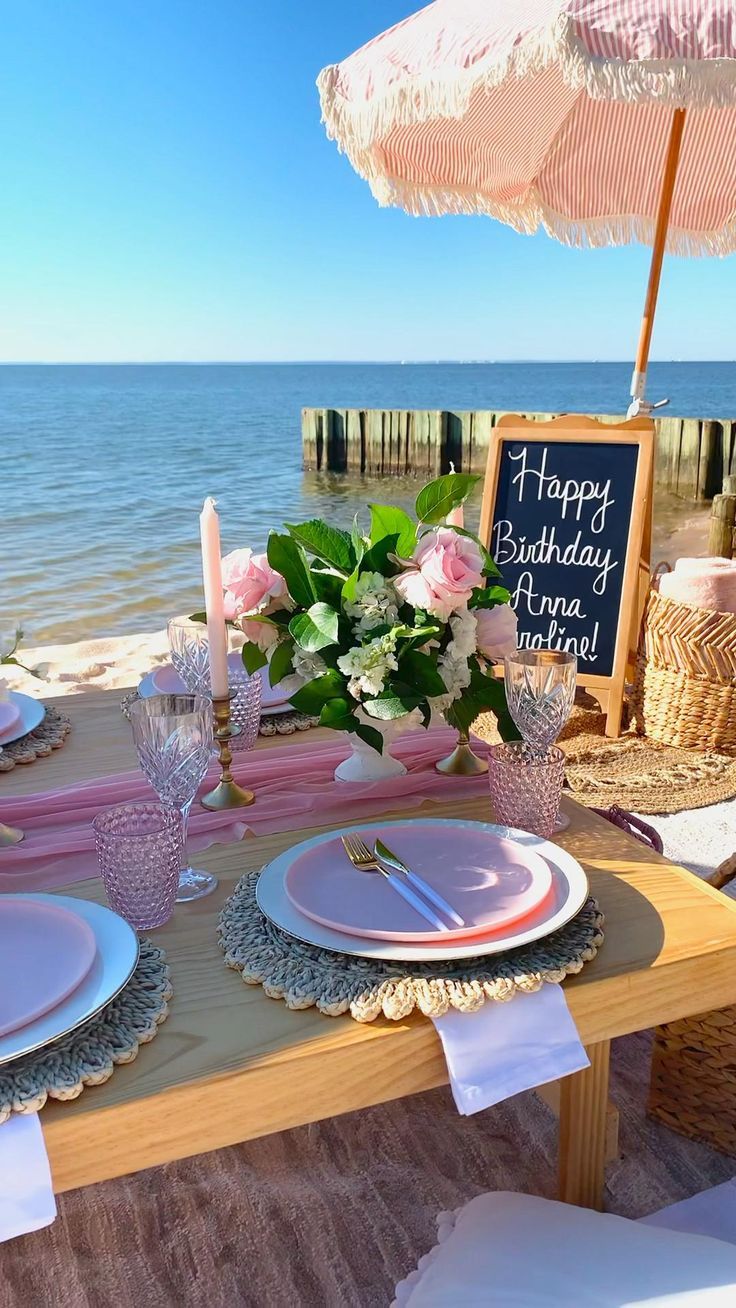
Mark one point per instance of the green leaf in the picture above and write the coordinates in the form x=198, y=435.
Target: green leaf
x=388, y=521
x=417, y=635
x=490, y=597
x=281, y=664
x=328, y=543
x=391, y=704
x=338, y=714
x=316, y=628
x=440, y=497
x=348, y=590
x=287, y=557
x=198, y=617
x=420, y=671
x=253, y=658
x=370, y=735
x=315, y=694
x=328, y=587
x=356, y=536
x=376, y=558
x=484, y=693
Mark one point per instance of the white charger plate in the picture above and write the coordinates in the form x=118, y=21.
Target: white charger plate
x=147, y=688
x=113, y=966
x=570, y=890
x=32, y=714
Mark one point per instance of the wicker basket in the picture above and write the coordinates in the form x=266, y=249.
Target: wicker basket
x=693, y=1084
x=685, y=688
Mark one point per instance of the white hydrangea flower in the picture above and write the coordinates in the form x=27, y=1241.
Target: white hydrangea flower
x=453, y=665
x=375, y=603
x=308, y=666
x=368, y=666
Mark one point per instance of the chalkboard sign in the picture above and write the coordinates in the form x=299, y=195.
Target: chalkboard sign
x=565, y=516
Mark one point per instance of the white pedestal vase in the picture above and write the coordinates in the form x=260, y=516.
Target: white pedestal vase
x=365, y=763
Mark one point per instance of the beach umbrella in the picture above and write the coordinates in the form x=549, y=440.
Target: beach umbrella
x=601, y=121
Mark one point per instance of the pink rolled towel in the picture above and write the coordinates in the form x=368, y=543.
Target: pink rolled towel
x=707, y=583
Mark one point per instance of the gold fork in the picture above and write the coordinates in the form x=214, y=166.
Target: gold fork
x=361, y=857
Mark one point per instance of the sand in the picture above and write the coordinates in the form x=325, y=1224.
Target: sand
x=111, y=663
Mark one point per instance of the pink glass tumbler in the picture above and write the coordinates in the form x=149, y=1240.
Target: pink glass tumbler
x=526, y=786
x=140, y=848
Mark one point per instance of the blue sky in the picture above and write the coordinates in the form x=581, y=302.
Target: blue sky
x=167, y=192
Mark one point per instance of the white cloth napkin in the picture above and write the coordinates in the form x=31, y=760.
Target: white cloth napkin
x=26, y=1197
x=505, y=1048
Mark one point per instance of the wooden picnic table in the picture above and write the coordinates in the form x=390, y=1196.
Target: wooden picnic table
x=229, y=1064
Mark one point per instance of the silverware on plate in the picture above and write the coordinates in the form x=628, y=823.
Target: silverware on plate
x=362, y=858
x=384, y=853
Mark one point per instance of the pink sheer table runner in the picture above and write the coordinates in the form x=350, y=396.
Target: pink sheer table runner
x=293, y=784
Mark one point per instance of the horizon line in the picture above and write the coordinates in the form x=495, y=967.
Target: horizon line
x=346, y=363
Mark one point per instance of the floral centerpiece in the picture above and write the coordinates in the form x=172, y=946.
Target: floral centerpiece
x=381, y=628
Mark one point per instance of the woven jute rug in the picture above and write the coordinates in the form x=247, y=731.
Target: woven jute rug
x=90, y=1054
x=49, y=735
x=271, y=724
x=305, y=976
x=634, y=772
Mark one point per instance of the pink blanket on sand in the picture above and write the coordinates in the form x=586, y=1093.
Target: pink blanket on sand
x=293, y=784
x=707, y=583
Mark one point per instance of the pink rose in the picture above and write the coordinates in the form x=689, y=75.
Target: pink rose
x=262, y=634
x=447, y=568
x=251, y=584
x=496, y=631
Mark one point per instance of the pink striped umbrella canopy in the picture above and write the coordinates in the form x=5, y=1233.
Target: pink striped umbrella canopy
x=602, y=121
x=551, y=113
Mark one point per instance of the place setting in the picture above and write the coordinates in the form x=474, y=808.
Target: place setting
x=79, y=993
x=258, y=707
x=29, y=729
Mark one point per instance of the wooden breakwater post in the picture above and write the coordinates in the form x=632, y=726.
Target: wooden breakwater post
x=722, y=535
x=693, y=455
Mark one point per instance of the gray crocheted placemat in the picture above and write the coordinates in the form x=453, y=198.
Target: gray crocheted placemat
x=48, y=735
x=89, y=1055
x=304, y=975
x=272, y=724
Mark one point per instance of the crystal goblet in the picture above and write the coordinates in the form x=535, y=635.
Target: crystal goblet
x=540, y=693
x=173, y=735
x=190, y=653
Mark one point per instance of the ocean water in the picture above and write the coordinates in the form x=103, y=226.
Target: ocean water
x=103, y=469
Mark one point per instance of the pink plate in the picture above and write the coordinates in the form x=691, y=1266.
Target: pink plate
x=491, y=881
x=9, y=714
x=167, y=681
x=46, y=951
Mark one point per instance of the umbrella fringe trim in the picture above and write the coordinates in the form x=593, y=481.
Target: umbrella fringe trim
x=686, y=83
x=531, y=213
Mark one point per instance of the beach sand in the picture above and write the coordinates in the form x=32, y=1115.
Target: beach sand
x=111, y=663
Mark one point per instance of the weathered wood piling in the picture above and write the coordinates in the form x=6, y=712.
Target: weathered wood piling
x=722, y=535
x=693, y=454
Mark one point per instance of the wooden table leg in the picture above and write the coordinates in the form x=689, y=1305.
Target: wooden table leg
x=583, y=1107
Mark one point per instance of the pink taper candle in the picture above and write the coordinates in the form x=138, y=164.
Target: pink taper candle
x=209, y=527
x=456, y=517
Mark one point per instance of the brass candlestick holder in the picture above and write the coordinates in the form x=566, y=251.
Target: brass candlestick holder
x=227, y=793
x=9, y=836
x=462, y=762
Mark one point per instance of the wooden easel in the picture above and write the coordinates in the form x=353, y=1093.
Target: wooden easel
x=640, y=431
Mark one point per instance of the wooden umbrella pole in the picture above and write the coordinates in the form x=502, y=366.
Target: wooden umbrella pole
x=639, y=379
